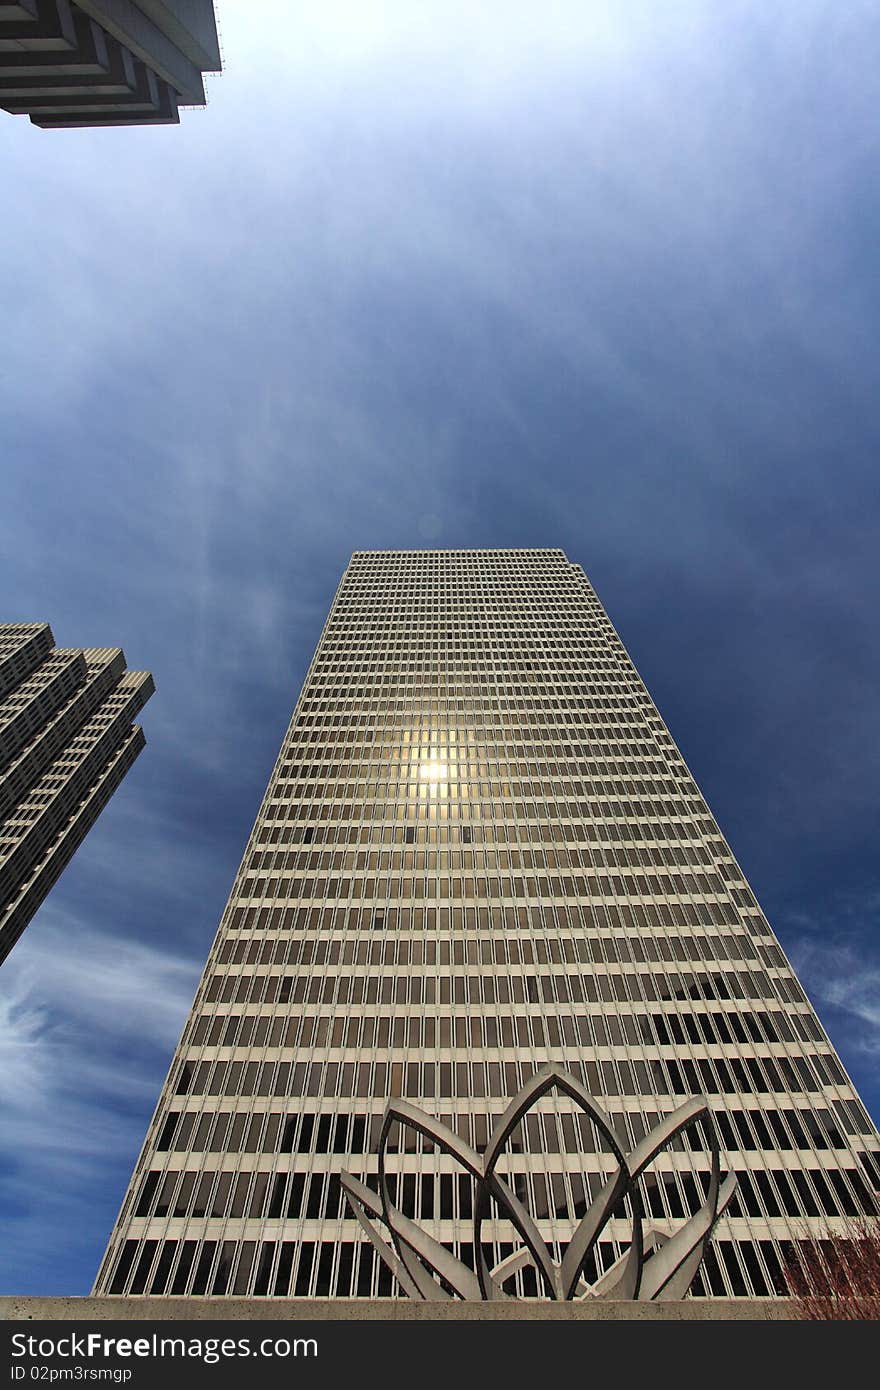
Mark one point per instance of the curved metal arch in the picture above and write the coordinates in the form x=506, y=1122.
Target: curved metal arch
x=670, y=1270
x=418, y=1261
x=361, y=1200
x=409, y=1239
x=559, y=1281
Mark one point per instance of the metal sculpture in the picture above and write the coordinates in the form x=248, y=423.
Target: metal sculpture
x=653, y=1267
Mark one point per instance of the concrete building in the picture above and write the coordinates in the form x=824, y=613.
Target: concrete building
x=105, y=62
x=66, y=742
x=481, y=851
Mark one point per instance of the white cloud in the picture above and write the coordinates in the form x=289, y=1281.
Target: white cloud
x=87, y=1023
x=84, y=979
x=491, y=40
x=838, y=971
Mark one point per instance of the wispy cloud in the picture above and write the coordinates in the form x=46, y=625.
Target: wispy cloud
x=836, y=975
x=87, y=1025
x=837, y=956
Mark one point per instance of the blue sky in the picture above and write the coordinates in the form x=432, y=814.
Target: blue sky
x=586, y=275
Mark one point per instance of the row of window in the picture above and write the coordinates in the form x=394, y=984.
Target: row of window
x=343, y=1269
x=479, y=860
x=516, y=668
x=422, y=861
x=396, y=1030
x=747, y=1131
x=608, y=779
x=651, y=1076
x=581, y=653
x=504, y=625
x=290, y=1196
x=485, y=808
x=594, y=648
x=528, y=696
x=488, y=989
x=490, y=833
x=485, y=640
x=481, y=653
x=491, y=720
x=362, y=948
x=443, y=886
x=574, y=917
x=368, y=780
x=443, y=610
x=345, y=785
x=579, y=648
x=339, y=779
x=617, y=744
x=769, y=1129
x=618, y=807
x=366, y=688
x=385, y=729
x=375, y=773
x=356, y=697
x=501, y=827
x=453, y=670
x=447, y=684
x=326, y=692
x=583, y=631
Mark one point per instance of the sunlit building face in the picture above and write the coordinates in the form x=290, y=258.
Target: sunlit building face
x=480, y=850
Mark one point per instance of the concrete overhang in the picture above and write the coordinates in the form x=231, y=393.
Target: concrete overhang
x=130, y=24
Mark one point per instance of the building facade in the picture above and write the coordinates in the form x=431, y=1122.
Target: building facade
x=66, y=742
x=480, y=851
x=105, y=62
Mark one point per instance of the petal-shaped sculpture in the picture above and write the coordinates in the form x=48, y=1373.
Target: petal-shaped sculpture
x=426, y=1269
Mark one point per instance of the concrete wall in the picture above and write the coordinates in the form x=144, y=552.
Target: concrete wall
x=385, y=1309
x=190, y=23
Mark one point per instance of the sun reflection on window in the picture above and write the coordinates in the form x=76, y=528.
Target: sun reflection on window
x=433, y=771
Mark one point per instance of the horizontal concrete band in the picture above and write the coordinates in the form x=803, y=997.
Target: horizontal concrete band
x=385, y=1310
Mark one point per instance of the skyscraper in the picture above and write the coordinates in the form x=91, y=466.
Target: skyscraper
x=105, y=62
x=66, y=742
x=479, y=851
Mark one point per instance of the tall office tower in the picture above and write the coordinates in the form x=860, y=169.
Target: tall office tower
x=105, y=62
x=480, y=850
x=66, y=742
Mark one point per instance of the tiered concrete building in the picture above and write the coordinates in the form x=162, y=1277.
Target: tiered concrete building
x=105, y=62
x=66, y=742
x=480, y=850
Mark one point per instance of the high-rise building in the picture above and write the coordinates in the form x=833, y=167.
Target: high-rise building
x=480, y=850
x=105, y=62
x=66, y=742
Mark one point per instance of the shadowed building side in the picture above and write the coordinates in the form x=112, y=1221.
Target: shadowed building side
x=105, y=62
x=66, y=742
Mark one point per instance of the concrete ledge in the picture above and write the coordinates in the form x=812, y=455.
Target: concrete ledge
x=385, y=1310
